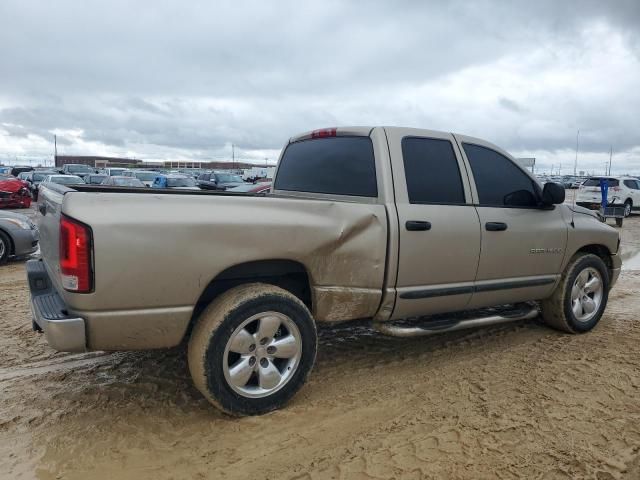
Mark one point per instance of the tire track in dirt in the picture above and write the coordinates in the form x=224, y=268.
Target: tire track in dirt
x=510, y=401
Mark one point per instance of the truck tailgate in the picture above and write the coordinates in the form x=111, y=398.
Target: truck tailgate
x=50, y=200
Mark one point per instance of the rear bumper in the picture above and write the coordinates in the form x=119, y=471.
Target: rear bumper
x=64, y=332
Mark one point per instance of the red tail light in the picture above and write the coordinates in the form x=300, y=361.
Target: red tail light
x=324, y=132
x=75, y=256
x=616, y=189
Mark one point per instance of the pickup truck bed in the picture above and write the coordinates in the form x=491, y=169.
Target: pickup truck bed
x=382, y=223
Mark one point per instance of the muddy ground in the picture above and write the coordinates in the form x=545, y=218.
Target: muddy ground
x=513, y=401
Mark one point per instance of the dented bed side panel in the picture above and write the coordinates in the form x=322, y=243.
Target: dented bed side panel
x=140, y=263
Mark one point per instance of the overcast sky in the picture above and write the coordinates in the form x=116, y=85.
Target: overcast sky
x=185, y=80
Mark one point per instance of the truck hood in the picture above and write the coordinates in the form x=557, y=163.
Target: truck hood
x=582, y=210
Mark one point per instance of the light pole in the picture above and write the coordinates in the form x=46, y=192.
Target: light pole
x=575, y=165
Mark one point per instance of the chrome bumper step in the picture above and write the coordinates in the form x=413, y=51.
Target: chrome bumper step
x=424, y=327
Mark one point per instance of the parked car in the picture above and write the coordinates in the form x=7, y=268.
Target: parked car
x=14, y=193
x=18, y=236
x=219, y=181
x=95, y=178
x=35, y=178
x=15, y=171
x=358, y=227
x=63, y=180
x=78, y=169
x=23, y=175
x=262, y=188
x=115, y=172
x=123, y=182
x=175, y=181
x=145, y=176
x=622, y=191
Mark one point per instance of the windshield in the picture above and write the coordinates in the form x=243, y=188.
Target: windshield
x=114, y=172
x=228, y=178
x=146, y=176
x=67, y=180
x=595, y=182
x=38, y=177
x=181, y=182
x=96, y=179
x=127, y=182
x=78, y=168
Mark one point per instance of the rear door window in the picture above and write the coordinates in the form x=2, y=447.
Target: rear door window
x=334, y=165
x=595, y=182
x=432, y=171
x=499, y=181
x=632, y=184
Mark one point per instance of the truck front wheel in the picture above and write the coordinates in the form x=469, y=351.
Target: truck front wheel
x=579, y=300
x=252, y=349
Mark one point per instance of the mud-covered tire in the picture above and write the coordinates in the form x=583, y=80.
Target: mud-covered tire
x=5, y=248
x=557, y=310
x=212, y=335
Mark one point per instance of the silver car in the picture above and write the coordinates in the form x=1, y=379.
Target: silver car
x=18, y=236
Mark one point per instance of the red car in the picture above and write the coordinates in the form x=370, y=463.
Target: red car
x=260, y=187
x=14, y=193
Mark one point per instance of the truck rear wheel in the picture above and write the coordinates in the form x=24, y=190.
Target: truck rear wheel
x=579, y=300
x=252, y=349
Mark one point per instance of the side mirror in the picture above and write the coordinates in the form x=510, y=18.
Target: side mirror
x=552, y=194
x=520, y=198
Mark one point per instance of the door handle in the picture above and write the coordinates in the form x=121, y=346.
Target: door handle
x=417, y=225
x=495, y=226
x=43, y=208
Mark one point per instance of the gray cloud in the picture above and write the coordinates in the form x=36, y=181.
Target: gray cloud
x=168, y=79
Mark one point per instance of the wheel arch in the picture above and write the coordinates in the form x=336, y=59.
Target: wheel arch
x=289, y=275
x=600, y=251
x=12, y=245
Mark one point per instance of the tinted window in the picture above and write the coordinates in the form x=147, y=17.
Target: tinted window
x=68, y=180
x=595, y=182
x=145, y=176
x=432, y=171
x=499, y=181
x=97, y=179
x=631, y=184
x=335, y=165
x=181, y=182
x=78, y=168
x=228, y=178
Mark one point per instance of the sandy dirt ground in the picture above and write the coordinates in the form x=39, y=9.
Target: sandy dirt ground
x=508, y=402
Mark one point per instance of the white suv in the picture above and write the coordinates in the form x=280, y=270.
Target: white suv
x=622, y=191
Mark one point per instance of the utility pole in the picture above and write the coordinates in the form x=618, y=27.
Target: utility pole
x=610, y=155
x=575, y=165
x=55, y=150
x=233, y=156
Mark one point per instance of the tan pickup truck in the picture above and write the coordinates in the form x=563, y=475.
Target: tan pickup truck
x=395, y=225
